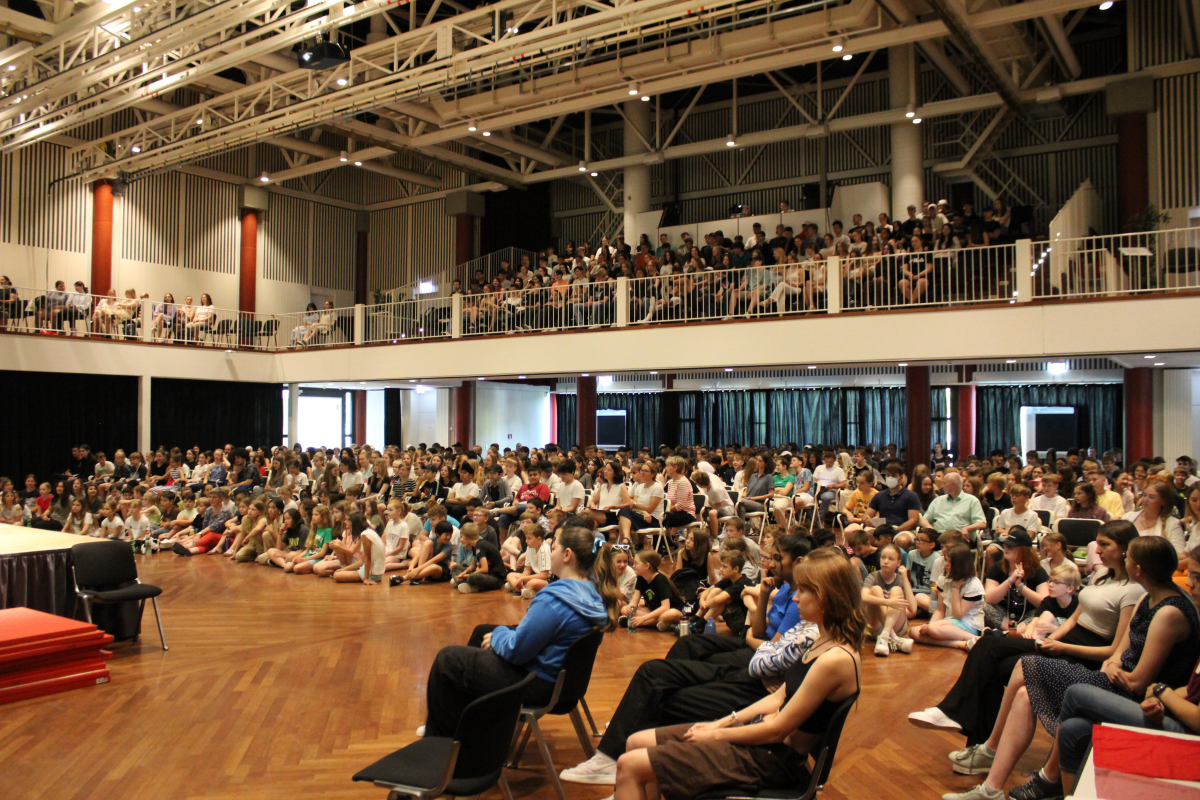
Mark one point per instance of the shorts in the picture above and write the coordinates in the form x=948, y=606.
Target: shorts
x=958, y=623
x=686, y=769
x=362, y=573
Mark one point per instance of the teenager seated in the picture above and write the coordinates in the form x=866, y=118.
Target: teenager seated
x=497, y=657
x=767, y=743
x=486, y=572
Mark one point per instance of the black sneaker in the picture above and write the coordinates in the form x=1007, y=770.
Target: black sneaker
x=395, y=580
x=180, y=550
x=1037, y=788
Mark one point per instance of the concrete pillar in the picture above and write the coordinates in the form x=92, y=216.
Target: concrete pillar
x=143, y=429
x=360, y=323
x=293, y=413
x=585, y=411
x=918, y=400
x=102, y=237
x=637, y=178
x=1139, y=413
x=908, y=175
x=464, y=414
x=360, y=416
x=248, y=263
x=1133, y=173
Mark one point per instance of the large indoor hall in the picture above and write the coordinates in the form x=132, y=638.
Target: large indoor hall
x=594, y=400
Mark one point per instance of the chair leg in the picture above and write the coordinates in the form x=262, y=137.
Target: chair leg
x=158, y=619
x=589, y=749
x=504, y=786
x=558, y=788
x=519, y=749
x=87, y=610
x=588, y=713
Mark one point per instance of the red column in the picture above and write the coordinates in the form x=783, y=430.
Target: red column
x=464, y=239
x=1133, y=173
x=248, y=264
x=553, y=418
x=965, y=445
x=360, y=416
x=464, y=414
x=1139, y=414
x=917, y=399
x=585, y=411
x=102, y=235
x=360, y=267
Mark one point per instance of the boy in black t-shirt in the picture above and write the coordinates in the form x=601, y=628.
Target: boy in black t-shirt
x=487, y=572
x=725, y=599
x=866, y=555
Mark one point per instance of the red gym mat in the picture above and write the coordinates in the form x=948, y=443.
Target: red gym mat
x=22, y=625
x=28, y=690
x=42, y=654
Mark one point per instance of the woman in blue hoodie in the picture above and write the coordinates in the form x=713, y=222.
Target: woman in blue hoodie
x=498, y=656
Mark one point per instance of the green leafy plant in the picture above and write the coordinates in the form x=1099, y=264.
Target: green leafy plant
x=1148, y=220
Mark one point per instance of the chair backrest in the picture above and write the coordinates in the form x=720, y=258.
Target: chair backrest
x=829, y=742
x=1044, y=516
x=576, y=672
x=989, y=514
x=734, y=496
x=699, y=500
x=1079, y=532
x=103, y=564
x=485, y=730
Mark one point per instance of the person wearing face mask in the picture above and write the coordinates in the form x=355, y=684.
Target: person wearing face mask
x=898, y=506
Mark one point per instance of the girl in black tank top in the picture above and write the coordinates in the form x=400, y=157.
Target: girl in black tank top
x=818, y=720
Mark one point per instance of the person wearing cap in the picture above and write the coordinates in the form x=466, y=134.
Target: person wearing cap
x=1015, y=587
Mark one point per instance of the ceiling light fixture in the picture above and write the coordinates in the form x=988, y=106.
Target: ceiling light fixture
x=645, y=98
x=264, y=177
x=521, y=377
x=342, y=81
x=838, y=44
x=583, y=166
x=585, y=374
x=731, y=141
x=358, y=163
x=487, y=133
x=847, y=57
x=1159, y=363
x=472, y=127
x=729, y=369
x=1106, y=5
x=343, y=156
x=1010, y=361
x=903, y=364
x=595, y=174
x=633, y=90
x=912, y=112
x=1149, y=356
x=653, y=372
x=811, y=366
x=916, y=120
x=137, y=148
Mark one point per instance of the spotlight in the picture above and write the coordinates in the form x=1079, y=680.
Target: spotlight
x=343, y=156
x=595, y=174
x=342, y=81
x=633, y=90
x=916, y=120
x=1106, y=5
x=264, y=177
x=583, y=166
x=137, y=148
x=731, y=141
x=12, y=67
x=847, y=57
x=645, y=98
x=838, y=44
x=472, y=127
x=487, y=133
x=358, y=163
x=321, y=55
x=200, y=121
x=136, y=9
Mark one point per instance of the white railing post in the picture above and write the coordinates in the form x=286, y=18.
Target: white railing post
x=622, y=301
x=456, y=312
x=1023, y=264
x=833, y=285
x=360, y=313
x=1112, y=272
x=147, y=319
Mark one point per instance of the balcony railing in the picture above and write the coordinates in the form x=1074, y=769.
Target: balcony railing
x=1157, y=263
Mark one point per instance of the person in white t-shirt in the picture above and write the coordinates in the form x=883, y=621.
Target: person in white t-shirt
x=111, y=524
x=830, y=480
x=536, y=573
x=461, y=492
x=1050, y=500
x=570, y=492
x=295, y=477
x=137, y=526
x=370, y=565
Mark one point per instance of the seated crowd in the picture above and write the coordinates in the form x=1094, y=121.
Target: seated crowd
x=785, y=557
x=922, y=259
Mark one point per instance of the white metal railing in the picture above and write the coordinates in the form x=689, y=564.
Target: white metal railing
x=1128, y=263
x=443, y=279
x=1160, y=262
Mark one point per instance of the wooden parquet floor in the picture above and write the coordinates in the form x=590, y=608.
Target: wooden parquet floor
x=285, y=686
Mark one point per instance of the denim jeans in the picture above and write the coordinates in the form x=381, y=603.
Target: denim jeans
x=1084, y=705
x=824, y=499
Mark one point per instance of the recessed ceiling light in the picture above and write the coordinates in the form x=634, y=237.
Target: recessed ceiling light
x=1159, y=363
x=904, y=363
x=585, y=375
x=810, y=366
x=137, y=148
x=358, y=163
x=521, y=377
x=729, y=369
x=1149, y=356
x=653, y=372
x=1010, y=361
x=487, y=133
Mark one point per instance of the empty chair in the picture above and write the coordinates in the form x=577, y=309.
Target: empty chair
x=567, y=699
x=822, y=762
x=222, y=330
x=105, y=573
x=1079, y=532
x=267, y=330
x=1044, y=516
x=466, y=765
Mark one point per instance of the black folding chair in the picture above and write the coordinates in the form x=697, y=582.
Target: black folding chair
x=1044, y=516
x=822, y=763
x=1079, y=532
x=105, y=573
x=567, y=699
x=466, y=765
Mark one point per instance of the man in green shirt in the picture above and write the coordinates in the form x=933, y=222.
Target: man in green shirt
x=955, y=510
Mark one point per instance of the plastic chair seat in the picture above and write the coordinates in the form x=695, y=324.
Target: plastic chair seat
x=136, y=591
x=422, y=764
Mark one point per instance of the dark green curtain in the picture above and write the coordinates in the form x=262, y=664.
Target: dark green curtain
x=210, y=414
x=998, y=412
x=828, y=415
x=47, y=413
x=567, y=404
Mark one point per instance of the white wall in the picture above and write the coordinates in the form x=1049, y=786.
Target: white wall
x=511, y=414
x=39, y=267
x=375, y=419
x=421, y=417
x=1180, y=430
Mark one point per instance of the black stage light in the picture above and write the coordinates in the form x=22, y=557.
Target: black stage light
x=321, y=55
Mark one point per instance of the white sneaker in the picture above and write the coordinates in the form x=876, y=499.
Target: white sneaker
x=980, y=792
x=527, y=594
x=421, y=731
x=900, y=644
x=599, y=769
x=933, y=718
x=882, y=649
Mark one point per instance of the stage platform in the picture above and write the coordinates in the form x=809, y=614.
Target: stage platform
x=35, y=570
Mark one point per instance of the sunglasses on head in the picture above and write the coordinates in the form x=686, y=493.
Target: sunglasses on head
x=622, y=548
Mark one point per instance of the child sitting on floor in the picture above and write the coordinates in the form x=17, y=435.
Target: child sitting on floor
x=959, y=615
x=536, y=572
x=486, y=572
x=433, y=562
x=890, y=603
x=663, y=603
x=725, y=599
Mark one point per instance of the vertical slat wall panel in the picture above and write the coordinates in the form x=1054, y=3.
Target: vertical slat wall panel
x=151, y=220
x=388, y=265
x=1179, y=141
x=332, y=236
x=1099, y=164
x=286, y=233
x=432, y=244
x=50, y=213
x=1153, y=33
x=6, y=166
x=234, y=162
x=210, y=225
